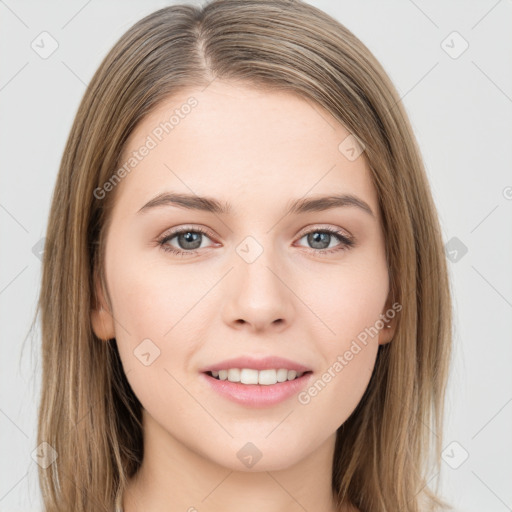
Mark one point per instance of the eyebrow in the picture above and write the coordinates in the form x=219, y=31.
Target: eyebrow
x=297, y=206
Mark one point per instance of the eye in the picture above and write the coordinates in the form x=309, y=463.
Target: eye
x=190, y=240
x=321, y=239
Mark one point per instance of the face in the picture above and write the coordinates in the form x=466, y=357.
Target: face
x=192, y=287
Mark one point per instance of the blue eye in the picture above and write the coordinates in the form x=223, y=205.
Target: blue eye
x=187, y=237
x=321, y=236
x=191, y=240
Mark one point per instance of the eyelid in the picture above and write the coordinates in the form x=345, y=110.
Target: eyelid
x=187, y=227
x=326, y=227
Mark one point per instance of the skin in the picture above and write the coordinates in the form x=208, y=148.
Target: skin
x=258, y=150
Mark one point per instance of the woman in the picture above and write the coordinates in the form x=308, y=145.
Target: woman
x=245, y=299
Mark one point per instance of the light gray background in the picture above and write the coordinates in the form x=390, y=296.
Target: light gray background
x=461, y=111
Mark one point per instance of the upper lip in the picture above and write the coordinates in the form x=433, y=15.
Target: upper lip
x=266, y=363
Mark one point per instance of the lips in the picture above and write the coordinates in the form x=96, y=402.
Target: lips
x=255, y=395
x=252, y=394
x=267, y=363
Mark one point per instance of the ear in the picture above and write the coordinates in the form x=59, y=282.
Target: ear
x=387, y=333
x=101, y=318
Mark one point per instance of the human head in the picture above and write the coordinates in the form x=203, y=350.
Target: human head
x=181, y=48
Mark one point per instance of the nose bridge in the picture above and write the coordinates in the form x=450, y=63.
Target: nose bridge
x=259, y=295
x=258, y=262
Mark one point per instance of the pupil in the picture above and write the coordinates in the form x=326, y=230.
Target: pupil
x=315, y=238
x=189, y=242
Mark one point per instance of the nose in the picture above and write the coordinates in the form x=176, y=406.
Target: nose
x=259, y=296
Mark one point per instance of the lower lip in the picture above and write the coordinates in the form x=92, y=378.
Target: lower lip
x=257, y=395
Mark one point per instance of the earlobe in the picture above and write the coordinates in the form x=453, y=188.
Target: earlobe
x=101, y=319
x=102, y=324
x=386, y=334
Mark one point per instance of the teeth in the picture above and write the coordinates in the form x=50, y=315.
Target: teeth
x=282, y=375
x=262, y=377
x=233, y=375
x=249, y=376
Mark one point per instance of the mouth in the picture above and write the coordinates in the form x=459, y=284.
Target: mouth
x=248, y=376
x=256, y=389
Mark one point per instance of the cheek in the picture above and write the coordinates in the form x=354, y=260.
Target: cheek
x=154, y=311
x=335, y=392
x=154, y=308
x=350, y=308
x=348, y=303
x=151, y=299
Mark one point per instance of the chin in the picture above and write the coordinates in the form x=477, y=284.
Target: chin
x=255, y=456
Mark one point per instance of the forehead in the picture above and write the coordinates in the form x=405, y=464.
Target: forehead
x=230, y=140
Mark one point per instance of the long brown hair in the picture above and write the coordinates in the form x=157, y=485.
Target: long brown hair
x=387, y=450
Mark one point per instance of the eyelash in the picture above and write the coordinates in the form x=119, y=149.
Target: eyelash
x=346, y=243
